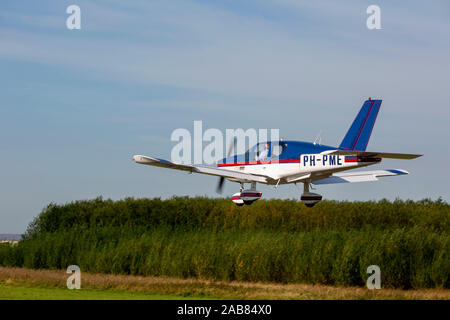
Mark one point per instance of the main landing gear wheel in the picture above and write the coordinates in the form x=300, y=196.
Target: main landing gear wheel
x=246, y=197
x=309, y=198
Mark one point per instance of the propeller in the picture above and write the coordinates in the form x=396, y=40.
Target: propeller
x=220, y=185
x=222, y=179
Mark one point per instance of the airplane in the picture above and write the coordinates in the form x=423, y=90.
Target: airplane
x=285, y=162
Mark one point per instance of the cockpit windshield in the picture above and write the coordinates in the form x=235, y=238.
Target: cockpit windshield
x=264, y=151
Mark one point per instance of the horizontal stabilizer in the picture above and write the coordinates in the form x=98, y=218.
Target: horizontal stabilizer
x=360, y=176
x=368, y=154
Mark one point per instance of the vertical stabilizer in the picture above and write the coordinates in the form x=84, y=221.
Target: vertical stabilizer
x=358, y=135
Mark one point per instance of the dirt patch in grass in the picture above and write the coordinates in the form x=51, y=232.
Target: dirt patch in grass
x=198, y=287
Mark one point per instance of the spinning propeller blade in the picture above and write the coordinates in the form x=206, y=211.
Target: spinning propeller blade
x=220, y=185
x=222, y=179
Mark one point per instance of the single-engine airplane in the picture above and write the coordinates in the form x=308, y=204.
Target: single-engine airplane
x=284, y=162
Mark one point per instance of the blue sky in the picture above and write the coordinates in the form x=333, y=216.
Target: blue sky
x=77, y=104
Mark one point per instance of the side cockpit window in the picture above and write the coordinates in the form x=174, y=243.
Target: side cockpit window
x=277, y=149
x=261, y=152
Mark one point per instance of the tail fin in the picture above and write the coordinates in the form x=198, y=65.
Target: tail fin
x=358, y=135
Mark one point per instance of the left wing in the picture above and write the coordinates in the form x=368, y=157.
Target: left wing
x=238, y=176
x=359, y=176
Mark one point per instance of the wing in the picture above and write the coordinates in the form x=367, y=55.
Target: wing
x=237, y=176
x=369, y=154
x=360, y=176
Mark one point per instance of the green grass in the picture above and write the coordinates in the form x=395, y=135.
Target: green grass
x=9, y=292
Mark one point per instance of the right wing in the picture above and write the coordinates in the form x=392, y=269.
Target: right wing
x=369, y=154
x=237, y=176
x=359, y=176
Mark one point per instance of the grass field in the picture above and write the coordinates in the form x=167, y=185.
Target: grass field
x=272, y=241
x=21, y=283
x=10, y=292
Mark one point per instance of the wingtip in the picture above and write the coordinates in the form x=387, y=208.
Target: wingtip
x=141, y=159
x=398, y=171
x=137, y=158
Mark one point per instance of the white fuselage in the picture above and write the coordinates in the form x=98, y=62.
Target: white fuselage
x=307, y=163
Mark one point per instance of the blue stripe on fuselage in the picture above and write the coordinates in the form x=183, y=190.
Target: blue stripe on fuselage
x=293, y=151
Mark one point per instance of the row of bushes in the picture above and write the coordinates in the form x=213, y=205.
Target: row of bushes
x=408, y=258
x=275, y=241
x=193, y=214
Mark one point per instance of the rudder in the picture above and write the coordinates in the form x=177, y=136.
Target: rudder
x=358, y=135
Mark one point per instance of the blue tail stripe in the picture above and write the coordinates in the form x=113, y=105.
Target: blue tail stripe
x=359, y=133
